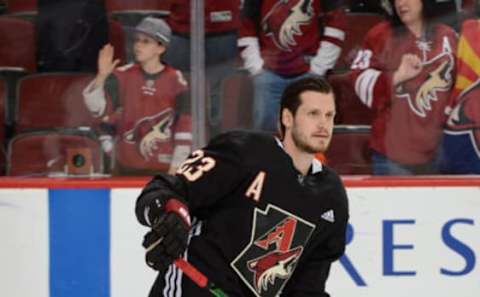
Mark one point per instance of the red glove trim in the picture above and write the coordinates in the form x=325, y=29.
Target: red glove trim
x=179, y=208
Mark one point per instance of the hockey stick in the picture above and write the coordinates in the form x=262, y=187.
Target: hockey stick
x=199, y=278
x=193, y=273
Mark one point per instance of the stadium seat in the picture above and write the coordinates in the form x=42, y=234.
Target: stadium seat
x=117, y=5
x=349, y=151
x=358, y=25
x=52, y=100
x=116, y=37
x=237, y=96
x=54, y=153
x=22, y=7
x=17, y=46
x=17, y=56
x=350, y=110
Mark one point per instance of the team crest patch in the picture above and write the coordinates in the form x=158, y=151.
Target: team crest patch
x=436, y=78
x=152, y=135
x=284, y=21
x=277, y=241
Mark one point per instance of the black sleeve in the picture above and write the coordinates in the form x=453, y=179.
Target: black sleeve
x=112, y=89
x=182, y=103
x=207, y=176
x=312, y=271
x=162, y=187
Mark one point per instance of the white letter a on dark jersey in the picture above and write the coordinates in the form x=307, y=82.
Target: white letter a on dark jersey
x=255, y=189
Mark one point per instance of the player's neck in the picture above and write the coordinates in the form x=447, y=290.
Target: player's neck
x=301, y=159
x=152, y=66
x=416, y=28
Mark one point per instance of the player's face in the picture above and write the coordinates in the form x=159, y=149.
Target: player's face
x=409, y=11
x=312, y=126
x=146, y=48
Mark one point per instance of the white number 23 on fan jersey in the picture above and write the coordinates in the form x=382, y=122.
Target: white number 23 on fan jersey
x=196, y=165
x=362, y=60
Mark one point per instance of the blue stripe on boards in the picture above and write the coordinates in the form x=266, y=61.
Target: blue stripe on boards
x=79, y=222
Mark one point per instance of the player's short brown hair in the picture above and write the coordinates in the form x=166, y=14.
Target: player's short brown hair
x=291, y=95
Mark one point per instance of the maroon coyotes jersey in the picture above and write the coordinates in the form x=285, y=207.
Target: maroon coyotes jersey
x=145, y=121
x=220, y=16
x=290, y=32
x=408, y=118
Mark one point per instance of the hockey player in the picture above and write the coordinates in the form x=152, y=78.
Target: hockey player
x=143, y=105
x=404, y=73
x=283, y=41
x=268, y=219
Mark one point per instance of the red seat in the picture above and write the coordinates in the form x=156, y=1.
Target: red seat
x=22, y=6
x=17, y=43
x=116, y=5
x=45, y=153
x=350, y=110
x=52, y=100
x=237, y=95
x=358, y=25
x=349, y=151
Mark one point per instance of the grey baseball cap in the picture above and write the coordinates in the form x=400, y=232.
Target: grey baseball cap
x=156, y=28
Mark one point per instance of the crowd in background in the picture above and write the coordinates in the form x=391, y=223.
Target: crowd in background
x=119, y=74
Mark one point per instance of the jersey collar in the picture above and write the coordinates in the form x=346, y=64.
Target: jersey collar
x=316, y=164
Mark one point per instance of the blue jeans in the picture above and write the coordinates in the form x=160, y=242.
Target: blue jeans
x=384, y=166
x=220, y=53
x=269, y=87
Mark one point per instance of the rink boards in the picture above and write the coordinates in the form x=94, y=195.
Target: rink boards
x=403, y=241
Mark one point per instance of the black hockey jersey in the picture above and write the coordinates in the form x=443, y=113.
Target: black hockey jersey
x=262, y=228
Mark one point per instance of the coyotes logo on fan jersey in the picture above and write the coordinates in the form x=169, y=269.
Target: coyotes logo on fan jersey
x=150, y=132
x=277, y=242
x=284, y=21
x=422, y=91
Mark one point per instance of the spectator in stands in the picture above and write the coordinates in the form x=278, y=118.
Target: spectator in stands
x=461, y=140
x=144, y=105
x=283, y=41
x=404, y=73
x=221, y=32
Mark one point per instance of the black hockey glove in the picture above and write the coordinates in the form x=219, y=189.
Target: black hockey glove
x=169, y=236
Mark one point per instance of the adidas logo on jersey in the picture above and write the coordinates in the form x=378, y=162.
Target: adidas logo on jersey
x=329, y=216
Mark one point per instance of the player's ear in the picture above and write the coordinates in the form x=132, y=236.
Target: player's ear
x=161, y=48
x=287, y=118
